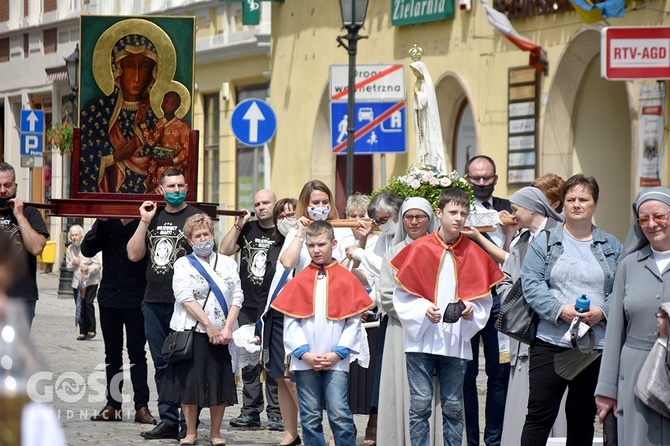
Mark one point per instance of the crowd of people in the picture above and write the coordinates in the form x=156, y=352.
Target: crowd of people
x=411, y=302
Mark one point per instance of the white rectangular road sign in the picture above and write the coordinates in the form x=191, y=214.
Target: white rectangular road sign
x=635, y=52
x=379, y=82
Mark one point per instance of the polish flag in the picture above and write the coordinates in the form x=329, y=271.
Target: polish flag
x=498, y=20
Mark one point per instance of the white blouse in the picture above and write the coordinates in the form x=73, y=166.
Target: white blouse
x=188, y=285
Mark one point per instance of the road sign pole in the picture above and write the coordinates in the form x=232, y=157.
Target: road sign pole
x=351, y=101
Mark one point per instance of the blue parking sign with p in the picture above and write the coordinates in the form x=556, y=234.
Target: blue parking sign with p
x=32, y=132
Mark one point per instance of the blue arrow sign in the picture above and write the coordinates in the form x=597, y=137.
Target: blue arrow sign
x=379, y=127
x=32, y=132
x=254, y=122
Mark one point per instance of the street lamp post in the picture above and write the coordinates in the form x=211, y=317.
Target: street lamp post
x=353, y=16
x=72, y=67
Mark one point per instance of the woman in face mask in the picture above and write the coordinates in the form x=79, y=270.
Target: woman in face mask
x=384, y=209
x=271, y=328
x=208, y=297
x=315, y=203
x=85, y=281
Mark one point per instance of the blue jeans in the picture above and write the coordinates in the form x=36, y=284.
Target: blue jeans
x=318, y=390
x=157, y=327
x=30, y=312
x=496, y=385
x=450, y=372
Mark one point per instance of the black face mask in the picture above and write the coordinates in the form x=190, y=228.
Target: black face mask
x=483, y=192
x=4, y=201
x=453, y=312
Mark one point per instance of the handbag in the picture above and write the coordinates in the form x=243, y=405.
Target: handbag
x=653, y=382
x=178, y=346
x=516, y=318
x=570, y=363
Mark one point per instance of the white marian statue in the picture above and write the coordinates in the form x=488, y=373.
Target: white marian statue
x=430, y=146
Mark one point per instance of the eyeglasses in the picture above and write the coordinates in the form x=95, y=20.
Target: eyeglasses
x=381, y=221
x=658, y=219
x=418, y=218
x=480, y=179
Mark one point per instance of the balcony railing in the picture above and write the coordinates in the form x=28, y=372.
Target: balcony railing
x=521, y=9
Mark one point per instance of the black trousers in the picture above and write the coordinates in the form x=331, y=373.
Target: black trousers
x=112, y=322
x=544, y=400
x=252, y=392
x=87, y=323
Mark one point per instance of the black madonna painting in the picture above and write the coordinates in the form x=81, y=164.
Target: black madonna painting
x=136, y=78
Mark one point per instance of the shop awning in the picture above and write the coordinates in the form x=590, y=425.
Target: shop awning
x=56, y=74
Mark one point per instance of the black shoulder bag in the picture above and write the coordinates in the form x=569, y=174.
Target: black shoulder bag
x=178, y=346
x=516, y=318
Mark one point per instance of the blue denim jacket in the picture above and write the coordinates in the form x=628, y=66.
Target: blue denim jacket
x=539, y=261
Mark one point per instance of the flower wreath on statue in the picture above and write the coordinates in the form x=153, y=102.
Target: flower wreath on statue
x=429, y=183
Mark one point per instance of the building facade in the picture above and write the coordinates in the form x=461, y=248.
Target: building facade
x=231, y=63
x=568, y=120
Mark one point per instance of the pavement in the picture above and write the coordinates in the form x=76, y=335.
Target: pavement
x=75, y=383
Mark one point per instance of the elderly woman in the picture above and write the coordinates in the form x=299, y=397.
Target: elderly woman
x=85, y=281
x=360, y=237
x=208, y=296
x=533, y=214
x=570, y=260
x=631, y=326
x=383, y=208
x=418, y=220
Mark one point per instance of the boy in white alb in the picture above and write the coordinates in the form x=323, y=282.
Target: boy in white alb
x=443, y=298
x=322, y=327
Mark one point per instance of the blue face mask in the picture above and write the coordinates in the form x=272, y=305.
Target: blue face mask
x=175, y=199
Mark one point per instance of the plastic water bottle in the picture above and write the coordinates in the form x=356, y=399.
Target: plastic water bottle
x=582, y=304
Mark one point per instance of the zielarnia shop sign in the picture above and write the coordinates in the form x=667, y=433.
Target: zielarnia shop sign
x=411, y=12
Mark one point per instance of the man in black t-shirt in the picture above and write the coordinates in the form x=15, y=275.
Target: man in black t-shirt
x=253, y=239
x=119, y=301
x=159, y=236
x=26, y=227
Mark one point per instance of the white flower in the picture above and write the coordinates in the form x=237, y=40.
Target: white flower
x=445, y=182
x=462, y=180
x=415, y=184
x=425, y=177
x=410, y=179
x=434, y=181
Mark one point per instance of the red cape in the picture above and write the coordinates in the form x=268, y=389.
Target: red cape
x=345, y=296
x=418, y=267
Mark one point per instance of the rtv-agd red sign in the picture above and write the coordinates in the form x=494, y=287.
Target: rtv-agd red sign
x=635, y=53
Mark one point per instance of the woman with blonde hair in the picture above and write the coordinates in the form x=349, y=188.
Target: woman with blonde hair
x=208, y=297
x=315, y=203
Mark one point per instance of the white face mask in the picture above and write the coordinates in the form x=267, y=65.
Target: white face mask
x=285, y=225
x=389, y=227
x=203, y=249
x=318, y=213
